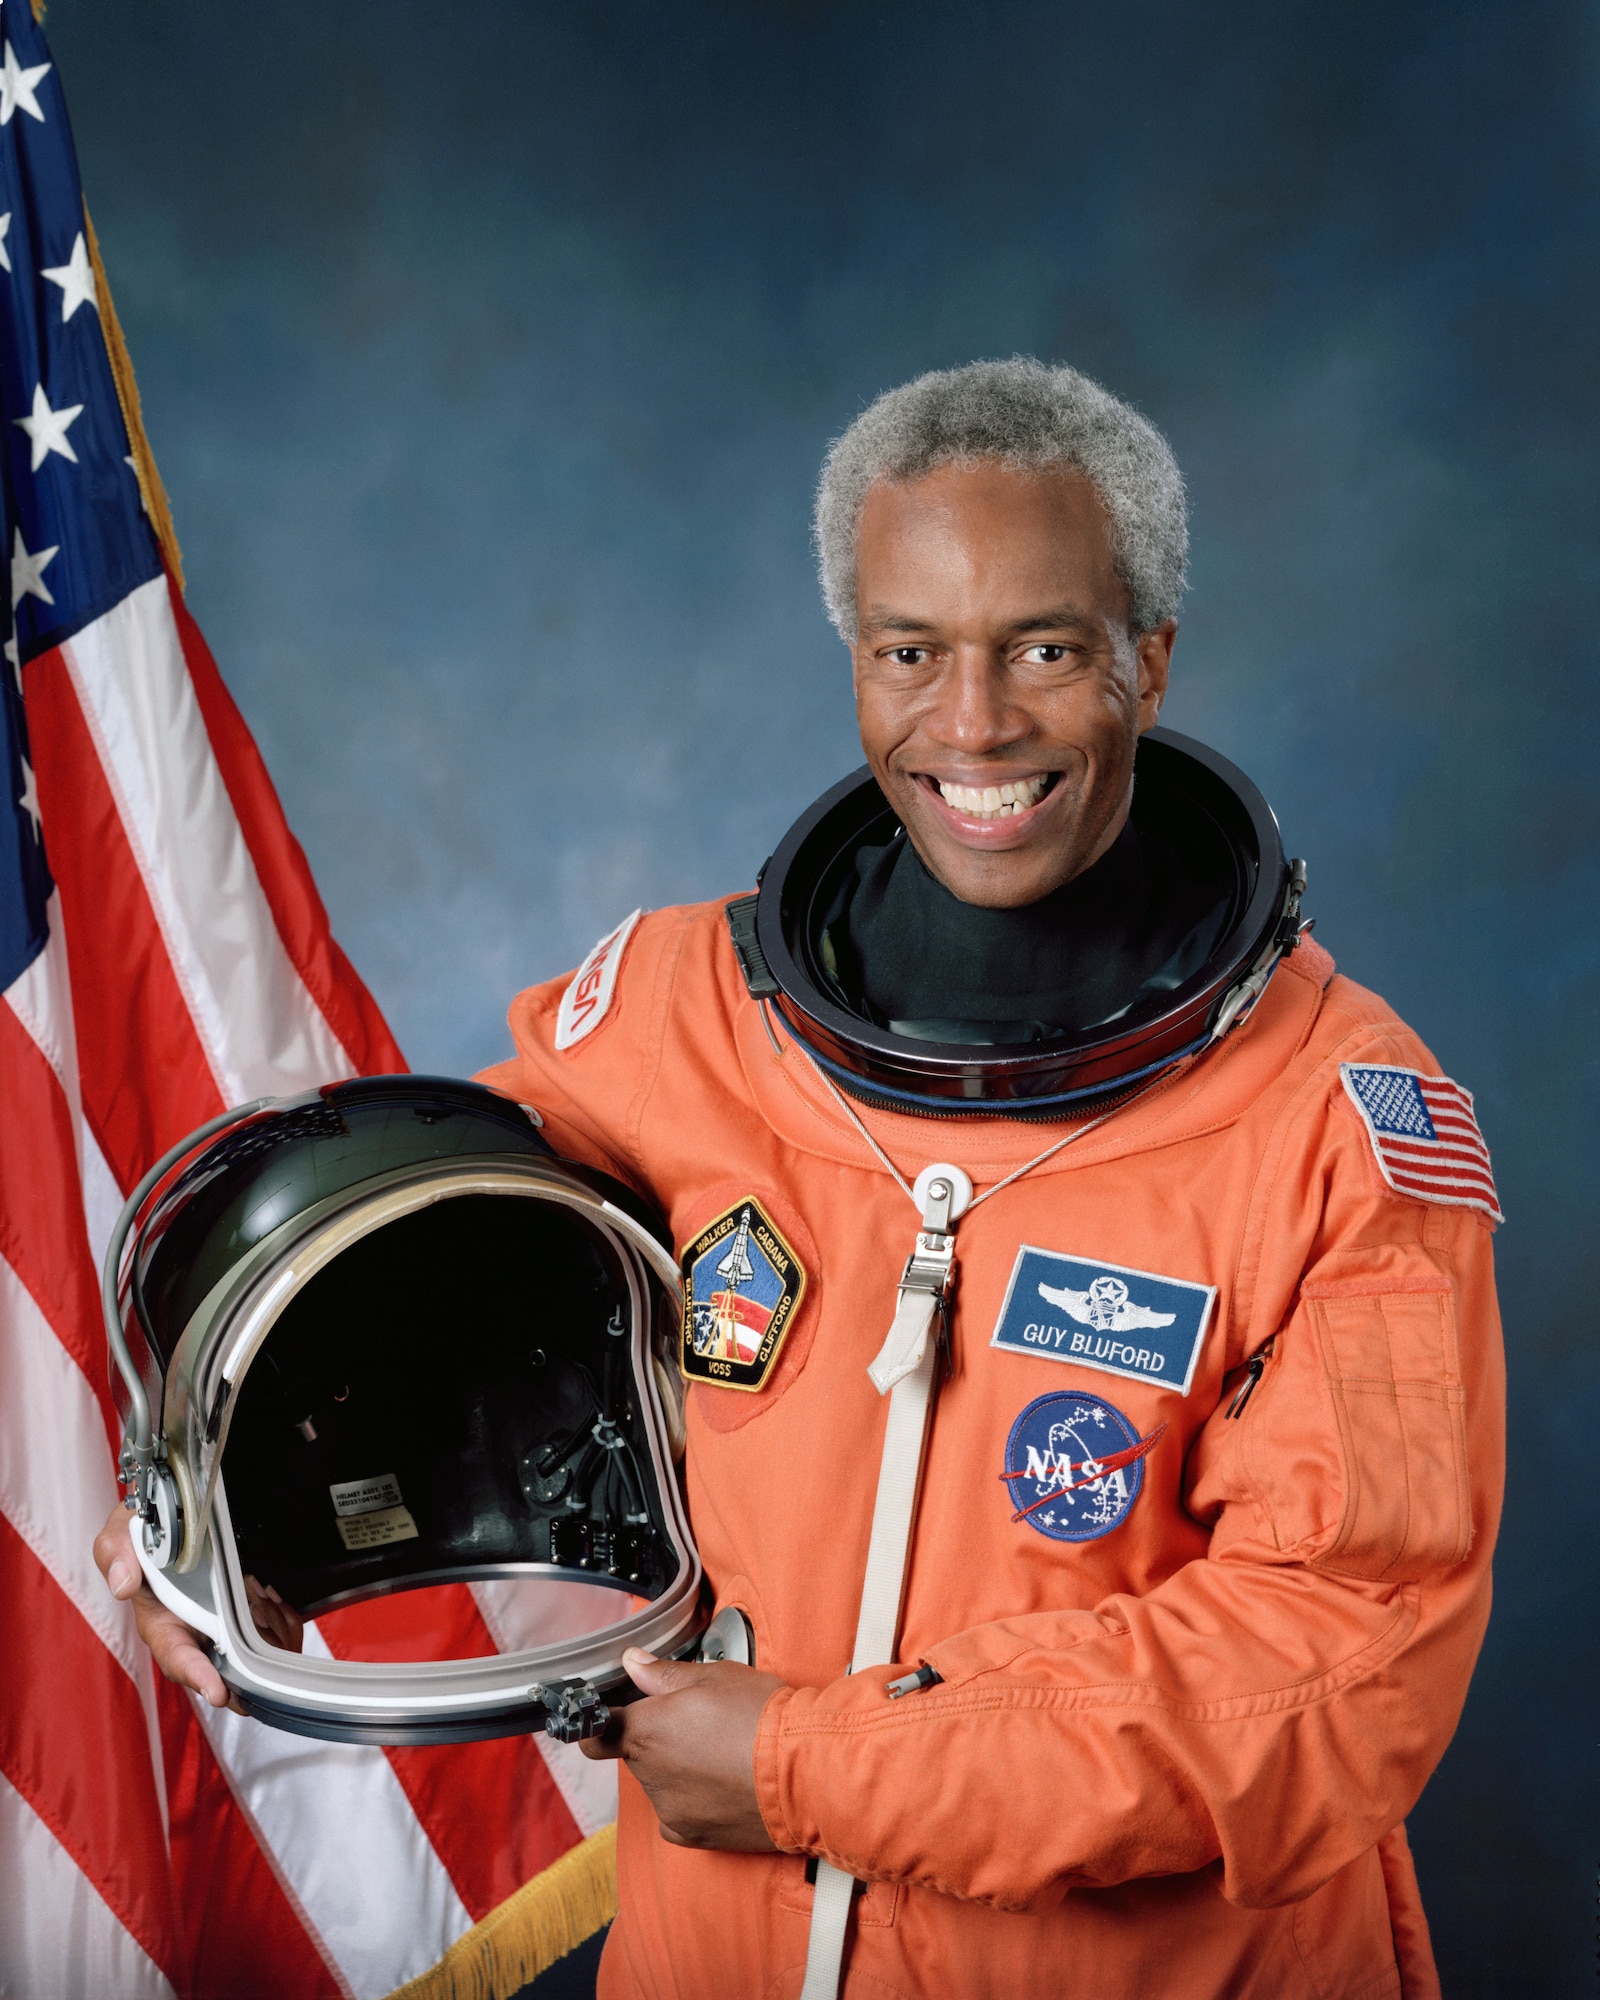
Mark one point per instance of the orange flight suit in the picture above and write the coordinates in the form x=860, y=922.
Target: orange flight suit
x=1172, y=1760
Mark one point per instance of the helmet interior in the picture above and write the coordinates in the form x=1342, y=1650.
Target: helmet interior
x=452, y=1398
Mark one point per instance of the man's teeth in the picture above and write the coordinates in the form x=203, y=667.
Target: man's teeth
x=994, y=801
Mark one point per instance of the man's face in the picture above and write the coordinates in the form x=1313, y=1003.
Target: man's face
x=999, y=691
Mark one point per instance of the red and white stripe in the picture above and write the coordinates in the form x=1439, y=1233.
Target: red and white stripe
x=1457, y=1162
x=1453, y=1167
x=146, y=1848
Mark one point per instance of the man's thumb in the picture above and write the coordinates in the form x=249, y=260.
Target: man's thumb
x=658, y=1676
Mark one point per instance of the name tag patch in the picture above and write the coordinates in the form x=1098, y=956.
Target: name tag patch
x=1130, y=1323
x=742, y=1285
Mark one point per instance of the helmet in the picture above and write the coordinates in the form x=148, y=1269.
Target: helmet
x=381, y=1337
x=1195, y=800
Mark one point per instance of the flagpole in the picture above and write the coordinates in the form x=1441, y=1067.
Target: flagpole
x=151, y=490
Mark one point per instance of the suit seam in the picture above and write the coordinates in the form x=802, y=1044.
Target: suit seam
x=1360, y=1034
x=966, y=1698
x=660, y=1013
x=1277, y=1139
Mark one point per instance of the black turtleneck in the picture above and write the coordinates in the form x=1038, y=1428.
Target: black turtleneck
x=910, y=956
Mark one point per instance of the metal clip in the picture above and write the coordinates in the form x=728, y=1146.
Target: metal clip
x=929, y=1266
x=925, y=1282
x=1239, y=1000
x=1289, y=924
x=572, y=1710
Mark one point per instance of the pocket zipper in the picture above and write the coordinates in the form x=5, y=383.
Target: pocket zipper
x=1254, y=1368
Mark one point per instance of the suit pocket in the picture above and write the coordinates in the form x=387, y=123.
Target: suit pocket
x=1391, y=1365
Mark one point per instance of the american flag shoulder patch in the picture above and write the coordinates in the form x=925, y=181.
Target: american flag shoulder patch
x=1424, y=1135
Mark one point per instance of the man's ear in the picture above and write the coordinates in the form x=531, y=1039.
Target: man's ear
x=1155, y=667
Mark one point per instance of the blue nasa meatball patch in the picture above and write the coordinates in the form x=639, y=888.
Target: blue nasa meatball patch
x=1074, y=1466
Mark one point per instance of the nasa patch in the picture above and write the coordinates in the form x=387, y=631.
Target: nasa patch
x=1074, y=1466
x=742, y=1285
x=1130, y=1323
x=587, y=1000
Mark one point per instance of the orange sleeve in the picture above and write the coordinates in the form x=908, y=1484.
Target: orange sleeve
x=1274, y=1708
x=591, y=1097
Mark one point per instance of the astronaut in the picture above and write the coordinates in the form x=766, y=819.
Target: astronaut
x=1001, y=1015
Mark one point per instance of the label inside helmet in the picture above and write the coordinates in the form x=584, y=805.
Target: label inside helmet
x=371, y=1512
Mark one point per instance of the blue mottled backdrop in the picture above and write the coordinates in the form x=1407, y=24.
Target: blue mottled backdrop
x=489, y=351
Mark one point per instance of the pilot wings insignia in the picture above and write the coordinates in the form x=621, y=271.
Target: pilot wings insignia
x=1104, y=1306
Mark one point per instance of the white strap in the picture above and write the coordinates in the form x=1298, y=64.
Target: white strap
x=906, y=1341
x=907, y=1361
x=903, y=1369
x=830, y=1913
x=899, y=1470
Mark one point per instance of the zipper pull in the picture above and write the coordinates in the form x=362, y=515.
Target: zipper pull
x=1254, y=1369
x=924, y=1677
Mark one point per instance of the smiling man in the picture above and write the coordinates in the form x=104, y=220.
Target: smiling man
x=1000, y=689
x=1094, y=1373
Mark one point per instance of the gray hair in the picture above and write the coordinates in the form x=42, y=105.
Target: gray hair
x=1030, y=418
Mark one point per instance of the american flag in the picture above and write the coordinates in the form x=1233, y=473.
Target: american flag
x=163, y=953
x=1425, y=1135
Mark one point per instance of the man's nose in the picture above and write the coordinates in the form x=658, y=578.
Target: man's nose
x=976, y=711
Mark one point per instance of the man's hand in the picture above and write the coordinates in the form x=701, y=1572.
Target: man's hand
x=692, y=1746
x=176, y=1649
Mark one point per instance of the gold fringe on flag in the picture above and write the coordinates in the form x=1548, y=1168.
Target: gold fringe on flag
x=547, y=1917
x=151, y=490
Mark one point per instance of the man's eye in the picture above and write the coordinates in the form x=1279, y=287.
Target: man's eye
x=908, y=656
x=1046, y=656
